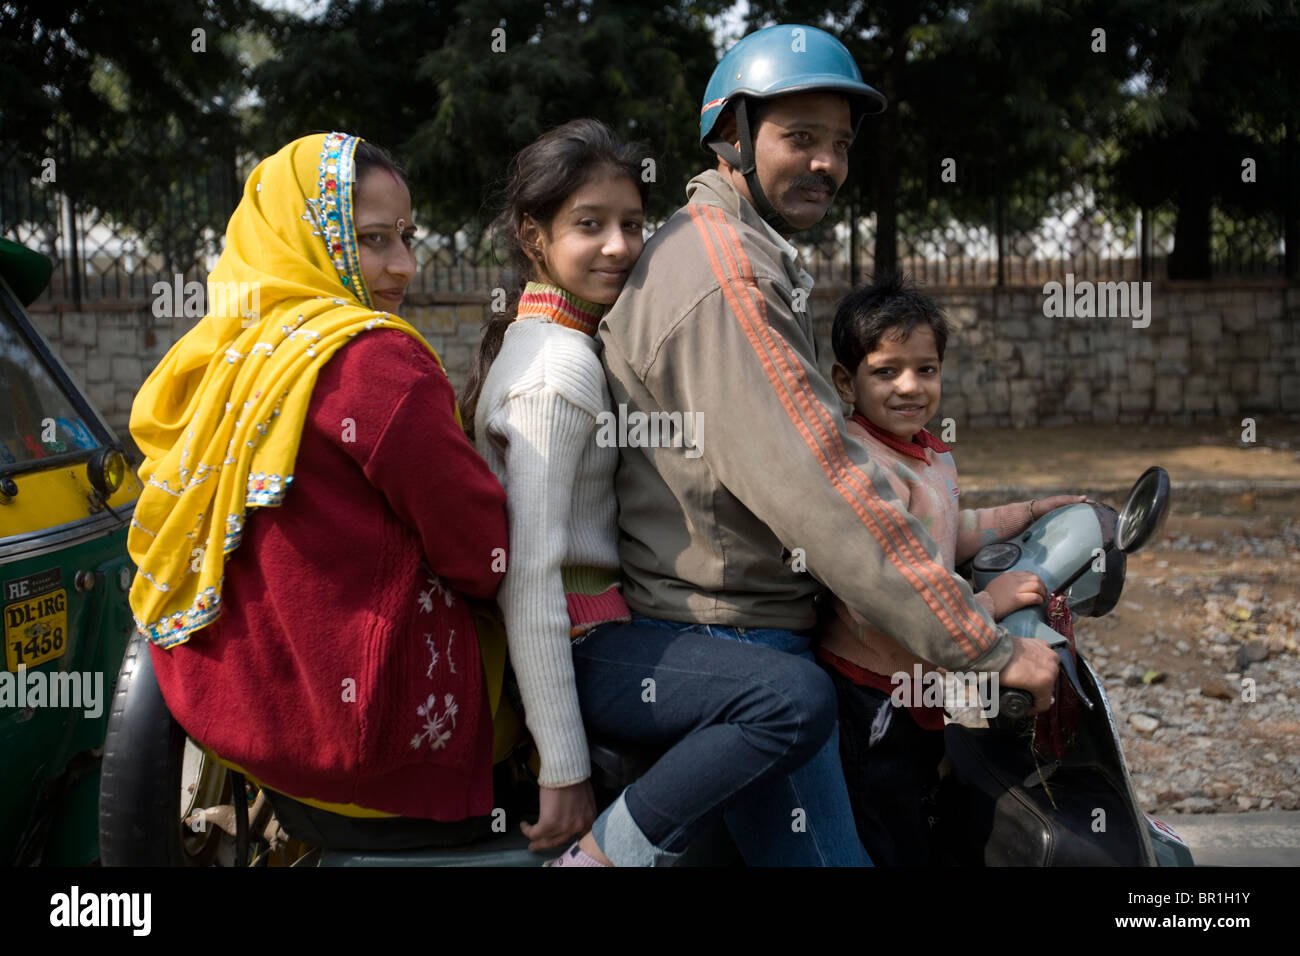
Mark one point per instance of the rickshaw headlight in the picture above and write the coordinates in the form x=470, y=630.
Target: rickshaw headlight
x=106, y=470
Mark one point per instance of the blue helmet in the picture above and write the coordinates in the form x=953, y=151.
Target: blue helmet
x=783, y=59
x=777, y=61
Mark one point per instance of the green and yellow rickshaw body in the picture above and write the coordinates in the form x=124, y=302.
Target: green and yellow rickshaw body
x=67, y=495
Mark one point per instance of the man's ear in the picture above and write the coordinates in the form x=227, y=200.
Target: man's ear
x=843, y=382
x=726, y=128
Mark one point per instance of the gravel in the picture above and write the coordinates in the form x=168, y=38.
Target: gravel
x=1219, y=730
x=1230, y=745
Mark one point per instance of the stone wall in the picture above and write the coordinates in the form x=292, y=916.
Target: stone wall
x=110, y=350
x=1211, y=350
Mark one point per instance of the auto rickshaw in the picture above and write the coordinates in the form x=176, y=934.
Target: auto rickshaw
x=67, y=494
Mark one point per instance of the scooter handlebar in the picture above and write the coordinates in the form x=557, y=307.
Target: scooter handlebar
x=1015, y=704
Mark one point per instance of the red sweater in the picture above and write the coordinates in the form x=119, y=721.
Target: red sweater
x=342, y=669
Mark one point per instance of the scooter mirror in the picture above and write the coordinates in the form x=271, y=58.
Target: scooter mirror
x=1144, y=510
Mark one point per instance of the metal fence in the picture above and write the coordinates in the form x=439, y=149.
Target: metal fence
x=1045, y=231
x=1027, y=241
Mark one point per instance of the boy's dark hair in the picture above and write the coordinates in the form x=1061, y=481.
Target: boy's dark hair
x=540, y=178
x=891, y=305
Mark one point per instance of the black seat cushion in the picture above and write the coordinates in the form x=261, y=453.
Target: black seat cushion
x=334, y=831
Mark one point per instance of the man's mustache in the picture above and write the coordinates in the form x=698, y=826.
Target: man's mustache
x=816, y=181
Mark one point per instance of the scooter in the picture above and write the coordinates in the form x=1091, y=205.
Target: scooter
x=1005, y=802
x=1000, y=804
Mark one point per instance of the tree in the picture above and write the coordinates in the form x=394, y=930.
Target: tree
x=131, y=102
x=485, y=78
x=1214, y=85
x=353, y=67
x=1011, y=92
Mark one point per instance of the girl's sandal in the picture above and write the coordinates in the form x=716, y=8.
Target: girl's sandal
x=574, y=856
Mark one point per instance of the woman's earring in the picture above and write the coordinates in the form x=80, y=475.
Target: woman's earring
x=531, y=242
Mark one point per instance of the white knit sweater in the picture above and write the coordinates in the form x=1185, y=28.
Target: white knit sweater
x=536, y=427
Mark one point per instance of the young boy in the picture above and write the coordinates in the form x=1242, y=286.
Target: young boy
x=889, y=341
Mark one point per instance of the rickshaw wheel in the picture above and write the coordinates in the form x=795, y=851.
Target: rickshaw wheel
x=153, y=778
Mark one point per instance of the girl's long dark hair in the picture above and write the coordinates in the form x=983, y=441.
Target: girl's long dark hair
x=539, y=179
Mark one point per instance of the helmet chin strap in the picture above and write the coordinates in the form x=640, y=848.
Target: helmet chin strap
x=745, y=162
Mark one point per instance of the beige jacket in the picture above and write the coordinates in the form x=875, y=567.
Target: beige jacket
x=782, y=500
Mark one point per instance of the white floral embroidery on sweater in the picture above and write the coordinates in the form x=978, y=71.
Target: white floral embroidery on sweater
x=435, y=729
x=433, y=655
x=436, y=587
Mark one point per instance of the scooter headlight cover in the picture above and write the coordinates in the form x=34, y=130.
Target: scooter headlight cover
x=996, y=558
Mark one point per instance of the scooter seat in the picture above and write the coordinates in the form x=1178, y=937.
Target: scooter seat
x=334, y=831
x=615, y=764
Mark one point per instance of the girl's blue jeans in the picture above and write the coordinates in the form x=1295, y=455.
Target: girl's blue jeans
x=750, y=724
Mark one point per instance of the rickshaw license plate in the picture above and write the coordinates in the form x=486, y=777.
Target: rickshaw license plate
x=36, y=619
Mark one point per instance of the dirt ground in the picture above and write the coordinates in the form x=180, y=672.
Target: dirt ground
x=1200, y=657
x=1114, y=455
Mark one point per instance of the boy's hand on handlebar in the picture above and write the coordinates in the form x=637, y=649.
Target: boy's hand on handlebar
x=563, y=813
x=1013, y=590
x=1044, y=506
x=1033, y=667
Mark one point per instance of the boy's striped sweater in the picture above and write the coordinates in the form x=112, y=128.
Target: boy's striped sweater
x=924, y=476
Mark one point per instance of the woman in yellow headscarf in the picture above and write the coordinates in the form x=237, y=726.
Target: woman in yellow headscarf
x=313, y=516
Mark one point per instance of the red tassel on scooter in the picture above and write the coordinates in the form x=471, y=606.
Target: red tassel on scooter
x=1056, y=725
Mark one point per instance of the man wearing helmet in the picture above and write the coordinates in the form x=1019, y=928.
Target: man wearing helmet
x=794, y=125
x=713, y=325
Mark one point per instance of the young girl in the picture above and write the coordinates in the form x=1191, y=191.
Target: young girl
x=735, y=715
x=302, y=588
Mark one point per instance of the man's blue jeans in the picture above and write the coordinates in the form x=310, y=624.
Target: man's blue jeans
x=802, y=818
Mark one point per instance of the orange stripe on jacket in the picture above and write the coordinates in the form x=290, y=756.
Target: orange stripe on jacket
x=890, y=526
x=939, y=580
x=737, y=285
x=776, y=345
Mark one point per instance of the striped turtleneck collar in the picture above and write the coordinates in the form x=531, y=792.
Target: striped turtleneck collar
x=555, y=305
x=915, y=448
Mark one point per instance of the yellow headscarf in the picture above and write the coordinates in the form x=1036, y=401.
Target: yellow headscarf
x=220, y=418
